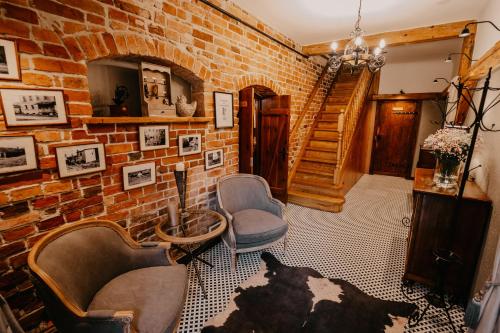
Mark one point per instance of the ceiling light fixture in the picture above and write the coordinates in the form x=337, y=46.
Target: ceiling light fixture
x=466, y=32
x=356, y=51
x=448, y=59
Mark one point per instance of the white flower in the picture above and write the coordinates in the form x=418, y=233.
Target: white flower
x=450, y=143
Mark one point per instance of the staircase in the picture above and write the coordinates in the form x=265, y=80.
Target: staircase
x=315, y=182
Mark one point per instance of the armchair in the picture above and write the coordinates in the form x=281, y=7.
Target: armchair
x=255, y=219
x=94, y=278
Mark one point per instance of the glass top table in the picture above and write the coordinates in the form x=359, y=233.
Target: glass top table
x=195, y=226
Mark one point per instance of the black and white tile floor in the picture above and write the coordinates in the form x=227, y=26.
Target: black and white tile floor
x=365, y=245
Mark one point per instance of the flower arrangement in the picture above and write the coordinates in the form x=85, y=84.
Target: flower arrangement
x=449, y=143
x=450, y=146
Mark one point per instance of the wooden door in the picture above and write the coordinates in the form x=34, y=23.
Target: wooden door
x=395, y=137
x=246, y=117
x=273, y=144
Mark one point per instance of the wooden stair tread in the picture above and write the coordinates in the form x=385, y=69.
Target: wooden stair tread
x=328, y=150
x=320, y=160
x=316, y=201
x=325, y=139
x=316, y=171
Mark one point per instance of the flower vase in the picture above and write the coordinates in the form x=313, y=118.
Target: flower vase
x=447, y=172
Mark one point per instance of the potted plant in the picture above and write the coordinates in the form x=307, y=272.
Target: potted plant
x=119, y=109
x=450, y=146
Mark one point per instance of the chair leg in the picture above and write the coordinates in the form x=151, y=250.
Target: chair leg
x=234, y=261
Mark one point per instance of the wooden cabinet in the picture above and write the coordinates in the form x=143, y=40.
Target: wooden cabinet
x=432, y=227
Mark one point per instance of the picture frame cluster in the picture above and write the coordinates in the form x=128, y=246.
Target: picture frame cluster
x=33, y=107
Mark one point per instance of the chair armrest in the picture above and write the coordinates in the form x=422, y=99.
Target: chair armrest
x=105, y=321
x=275, y=207
x=151, y=254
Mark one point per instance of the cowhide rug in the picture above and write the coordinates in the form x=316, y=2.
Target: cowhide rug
x=287, y=299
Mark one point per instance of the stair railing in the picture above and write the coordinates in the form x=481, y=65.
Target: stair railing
x=348, y=121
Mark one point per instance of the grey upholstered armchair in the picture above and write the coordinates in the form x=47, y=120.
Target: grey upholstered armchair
x=93, y=278
x=255, y=219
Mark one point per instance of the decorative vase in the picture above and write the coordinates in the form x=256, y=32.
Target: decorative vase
x=447, y=172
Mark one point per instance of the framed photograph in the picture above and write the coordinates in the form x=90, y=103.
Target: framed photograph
x=139, y=175
x=9, y=61
x=153, y=137
x=17, y=153
x=189, y=144
x=223, y=110
x=80, y=159
x=33, y=107
x=214, y=158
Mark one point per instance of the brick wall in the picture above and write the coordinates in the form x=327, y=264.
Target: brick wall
x=56, y=40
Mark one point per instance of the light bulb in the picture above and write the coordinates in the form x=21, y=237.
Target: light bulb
x=381, y=44
x=358, y=41
x=334, y=46
x=377, y=51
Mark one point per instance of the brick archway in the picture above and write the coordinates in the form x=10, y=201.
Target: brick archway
x=95, y=46
x=259, y=80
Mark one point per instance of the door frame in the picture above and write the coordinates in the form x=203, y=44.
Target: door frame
x=414, y=134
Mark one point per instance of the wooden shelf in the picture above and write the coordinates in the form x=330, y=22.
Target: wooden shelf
x=144, y=120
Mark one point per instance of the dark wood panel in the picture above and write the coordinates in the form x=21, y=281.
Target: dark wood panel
x=395, y=137
x=274, y=132
x=433, y=227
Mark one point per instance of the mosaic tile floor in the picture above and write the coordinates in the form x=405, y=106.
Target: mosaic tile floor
x=365, y=245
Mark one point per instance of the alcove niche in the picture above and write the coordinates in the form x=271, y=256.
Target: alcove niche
x=105, y=75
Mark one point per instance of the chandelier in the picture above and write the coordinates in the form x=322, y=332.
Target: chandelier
x=357, y=52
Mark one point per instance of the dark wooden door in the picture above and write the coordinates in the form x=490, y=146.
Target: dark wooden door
x=273, y=143
x=246, y=118
x=395, y=137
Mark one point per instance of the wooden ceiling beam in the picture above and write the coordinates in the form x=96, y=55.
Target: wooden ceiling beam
x=396, y=38
x=480, y=68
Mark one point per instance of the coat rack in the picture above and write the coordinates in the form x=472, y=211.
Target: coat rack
x=443, y=252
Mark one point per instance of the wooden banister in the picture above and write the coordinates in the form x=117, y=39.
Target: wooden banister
x=348, y=121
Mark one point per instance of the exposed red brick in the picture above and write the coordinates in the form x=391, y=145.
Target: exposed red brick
x=15, y=234
x=55, y=8
x=45, y=35
x=77, y=96
x=12, y=248
x=14, y=28
x=131, y=8
x=19, y=13
x=55, y=51
x=36, y=79
x=87, y=47
x=28, y=46
x=155, y=29
x=70, y=27
x=86, y=5
x=203, y=35
x=60, y=66
x=45, y=202
x=50, y=223
x=110, y=43
x=117, y=15
x=95, y=19
x=71, y=82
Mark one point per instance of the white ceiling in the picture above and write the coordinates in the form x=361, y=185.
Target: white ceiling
x=437, y=50
x=314, y=21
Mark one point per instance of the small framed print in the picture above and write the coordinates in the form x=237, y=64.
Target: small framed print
x=139, y=175
x=214, y=158
x=223, y=110
x=153, y=137
x=189, y=144
x=33, y=107
x=9, y=61
x=17, y=153
x=80, y=159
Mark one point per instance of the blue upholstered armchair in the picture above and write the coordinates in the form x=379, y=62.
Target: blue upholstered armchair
x=93, y=278
x=255, y=219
